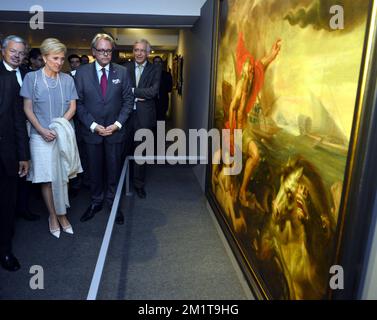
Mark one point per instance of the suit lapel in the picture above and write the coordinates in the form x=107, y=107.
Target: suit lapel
x=95, y=80
x=144, y=75
x=5, y=86
x=132, y=74
x=113, y=74
x=2, y=67
x=2, y=96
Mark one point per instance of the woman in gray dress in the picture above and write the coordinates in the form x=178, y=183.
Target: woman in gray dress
x=48, y=94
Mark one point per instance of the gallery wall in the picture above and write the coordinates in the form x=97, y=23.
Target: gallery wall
x=190, y=110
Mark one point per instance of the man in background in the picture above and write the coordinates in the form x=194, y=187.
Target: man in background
x=84, y=59
x=166, y=86
x=35, y=60
x=74, y=62
x=145, y=86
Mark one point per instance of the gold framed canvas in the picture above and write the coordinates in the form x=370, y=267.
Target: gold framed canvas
x=296, y=76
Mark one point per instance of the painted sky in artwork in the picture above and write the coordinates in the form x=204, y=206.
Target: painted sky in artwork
x=316, y=65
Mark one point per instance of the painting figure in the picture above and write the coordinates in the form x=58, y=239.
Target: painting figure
x=226, y=192
x=299, y=231
x=251, y=77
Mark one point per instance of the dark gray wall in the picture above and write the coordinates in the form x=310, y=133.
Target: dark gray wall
x=190, y=111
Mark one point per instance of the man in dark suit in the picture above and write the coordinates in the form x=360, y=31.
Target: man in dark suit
x=13, y=51
x=14, y=156
x=74, y=62
x=145, y=86
x=166, y=86
x=105, y=103
x=75, y=184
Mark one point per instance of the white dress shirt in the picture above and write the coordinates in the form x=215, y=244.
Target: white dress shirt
x=99, y=71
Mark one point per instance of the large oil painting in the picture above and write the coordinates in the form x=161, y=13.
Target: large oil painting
x=287, y=74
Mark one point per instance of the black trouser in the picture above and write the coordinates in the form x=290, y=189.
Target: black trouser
x=161, y=109
x=8, y=192
x=82, y=178
x=23, y=195
x=105, y=165
x=138, y=170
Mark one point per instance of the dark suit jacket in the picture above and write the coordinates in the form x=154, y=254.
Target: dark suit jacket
x=166, y=86
x=92, y=107
x=148, y=88
x=14, y=141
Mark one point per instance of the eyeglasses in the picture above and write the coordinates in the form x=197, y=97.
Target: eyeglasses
x=104, y=52
x=17, y=53
x=137, y=50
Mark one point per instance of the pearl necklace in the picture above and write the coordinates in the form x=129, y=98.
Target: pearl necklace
x=48, y=90
x=45, y=79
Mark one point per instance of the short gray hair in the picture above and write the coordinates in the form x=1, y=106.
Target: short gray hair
x=146, y=42
x=102, y=36
x=14, y=38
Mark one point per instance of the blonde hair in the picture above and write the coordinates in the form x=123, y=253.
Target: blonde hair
x=146, y=43
x=52, y=45
x=102, y=36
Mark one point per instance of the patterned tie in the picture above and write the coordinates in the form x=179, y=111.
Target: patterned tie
x=138, y=73
x=103, y=83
